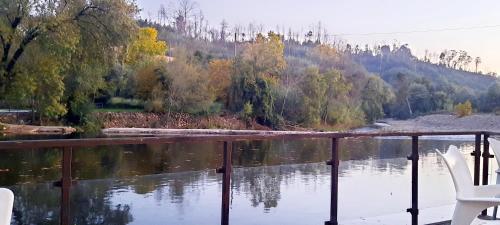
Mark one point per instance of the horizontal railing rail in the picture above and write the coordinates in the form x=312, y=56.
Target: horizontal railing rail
x=268, y=135
x=67, y=146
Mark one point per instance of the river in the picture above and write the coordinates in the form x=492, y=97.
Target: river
x=273, y=182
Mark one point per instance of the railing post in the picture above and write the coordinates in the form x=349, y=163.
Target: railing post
x=486, y=163
x=65, y=183
x=334, y=162
x=477, y=159
x=414, y=180
x=226, y=181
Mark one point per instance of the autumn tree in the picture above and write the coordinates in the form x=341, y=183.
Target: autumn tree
x=220, y=72
x=265, y=54
x=326, y=56
x=144, y=46
x=189, y=91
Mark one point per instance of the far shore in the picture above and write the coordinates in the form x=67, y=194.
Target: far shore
x=445, y=122
x=434, y=122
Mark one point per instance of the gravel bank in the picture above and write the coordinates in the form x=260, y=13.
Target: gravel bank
x=446, y=122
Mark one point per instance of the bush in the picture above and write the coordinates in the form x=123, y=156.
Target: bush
x=463, y=109
x=91, y=125
x=215, y=108
x=123, y=103
x=247, y=112
x=155, y=105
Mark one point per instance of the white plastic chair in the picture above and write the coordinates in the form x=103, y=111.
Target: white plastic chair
x=471, y=200
x=6, y=204
x=495, y=145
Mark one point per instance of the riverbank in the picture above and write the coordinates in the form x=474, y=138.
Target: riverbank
x=435, y=122
x=444, y=122
x=174, y=121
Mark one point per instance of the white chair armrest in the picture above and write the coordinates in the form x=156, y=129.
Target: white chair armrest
x=487, y=191
x=494, y=201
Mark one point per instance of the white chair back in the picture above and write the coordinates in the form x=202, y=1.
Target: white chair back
x=459, y=171
x=495, y=146
x=6, y=204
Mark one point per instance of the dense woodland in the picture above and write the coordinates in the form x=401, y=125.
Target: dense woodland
x=65, y=58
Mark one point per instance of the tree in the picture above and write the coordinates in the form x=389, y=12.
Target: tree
x=464, y=109
x=189, y=90
x=78, y=38
x=375, y=95
x=336, y=94
x=184, y=13
x=248, y=87
x=326, y=56
x=266, y=54
x=145, y=46
x=314, y=88
x=477, y=61
x=220, y=74
x=24, y=23
x=490, y=101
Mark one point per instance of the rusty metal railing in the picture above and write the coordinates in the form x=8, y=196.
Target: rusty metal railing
x=67, y=146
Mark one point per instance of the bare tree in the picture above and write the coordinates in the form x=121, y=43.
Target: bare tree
x=223, y=29
x=184, y=12
x=251, y=30
x=477, y=61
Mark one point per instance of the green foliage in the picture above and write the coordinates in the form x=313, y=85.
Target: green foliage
x=314, y=87
x=247, y=112
x=490, y=101
x=189, y=88
x=144, y=46
x=255, y=89
x=91, y=124
x=59, y=52
x=463, y=109
x=266, y=54
x=118, y=102
x=375, y=95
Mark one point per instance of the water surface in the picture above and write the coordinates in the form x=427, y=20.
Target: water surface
x=274, y=182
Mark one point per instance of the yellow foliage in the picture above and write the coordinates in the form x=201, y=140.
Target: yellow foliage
x=266, y=54
x=326, y=55
x=145, y=45
x=220, y=77
x=463, y=109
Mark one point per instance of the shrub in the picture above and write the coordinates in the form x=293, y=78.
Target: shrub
x=91, y=125
x=155, y=105
x=463, y=109
x=247, y=112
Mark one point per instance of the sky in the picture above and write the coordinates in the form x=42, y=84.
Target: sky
x=348, y=19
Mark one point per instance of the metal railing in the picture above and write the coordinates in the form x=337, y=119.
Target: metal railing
x=67, y=146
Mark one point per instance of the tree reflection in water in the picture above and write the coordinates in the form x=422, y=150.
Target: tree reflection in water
x=39, y=204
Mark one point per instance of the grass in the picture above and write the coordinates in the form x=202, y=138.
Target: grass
x=116, y=110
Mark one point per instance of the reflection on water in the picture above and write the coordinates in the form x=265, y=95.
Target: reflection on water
x=274, y=182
